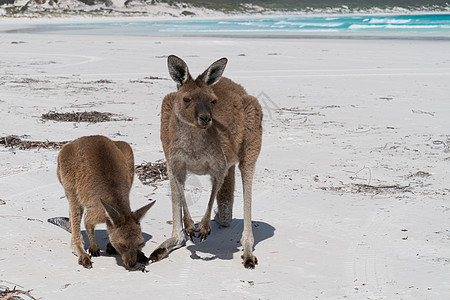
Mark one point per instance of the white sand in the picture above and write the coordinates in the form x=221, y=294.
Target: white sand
x=355, y=112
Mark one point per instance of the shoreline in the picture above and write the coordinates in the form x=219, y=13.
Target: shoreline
x=261, y=36
x=51, y=26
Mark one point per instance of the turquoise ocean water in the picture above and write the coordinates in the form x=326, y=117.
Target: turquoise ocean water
x=435, y=25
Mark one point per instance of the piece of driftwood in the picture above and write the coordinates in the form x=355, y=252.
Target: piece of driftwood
x=63, y=222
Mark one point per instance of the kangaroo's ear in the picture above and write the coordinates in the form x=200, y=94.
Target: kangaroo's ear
x=112, y=214
x=138, y=214
x=178, y=70
x=213, y=74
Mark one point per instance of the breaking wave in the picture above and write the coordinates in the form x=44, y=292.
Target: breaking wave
x=415, y=24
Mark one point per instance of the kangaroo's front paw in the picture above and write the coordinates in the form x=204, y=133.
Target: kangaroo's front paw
x=141, y=258
x=94, y=251
x=190, y=231
x=110, y=249
x=158, y=254
x=85, y=261
x=189, y=228
x=249, y=261
x=204, y=229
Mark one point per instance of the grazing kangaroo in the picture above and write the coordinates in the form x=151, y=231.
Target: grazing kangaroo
x=207, y=126
x=97, y=175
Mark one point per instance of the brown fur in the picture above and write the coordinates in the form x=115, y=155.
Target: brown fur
x=207, y=126
x=97, y=175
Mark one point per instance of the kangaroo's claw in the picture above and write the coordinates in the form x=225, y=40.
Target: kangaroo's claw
x=250, y=262
x=141, y=258
x=94, y=251
x=85, y=261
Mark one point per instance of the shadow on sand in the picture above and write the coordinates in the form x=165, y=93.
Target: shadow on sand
x=224, y=241
x=102, y=239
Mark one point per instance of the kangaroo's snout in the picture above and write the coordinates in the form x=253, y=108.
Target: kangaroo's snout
x=129, y=258
x=130, y=263
x=204, y=120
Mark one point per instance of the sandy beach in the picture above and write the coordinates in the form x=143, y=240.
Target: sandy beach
x=351, y=191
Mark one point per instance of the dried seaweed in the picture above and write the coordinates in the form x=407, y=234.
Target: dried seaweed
x=29, y=81
x=148, y=79
x=150, y=173
x=6, y=293
x=156, y=78
x=87, y=116
x=367, y=188
x=15, y=142
x=101, y=81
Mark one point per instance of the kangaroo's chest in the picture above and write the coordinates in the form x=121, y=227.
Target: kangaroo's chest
x=199, y=154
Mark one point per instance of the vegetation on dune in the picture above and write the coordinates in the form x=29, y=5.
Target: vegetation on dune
x=270, y=4
x=303, y=4
x=143, y=7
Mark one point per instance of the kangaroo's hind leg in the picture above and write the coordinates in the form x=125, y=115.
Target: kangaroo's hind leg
x=252, y=147
x=225, y=199
x=247, y=239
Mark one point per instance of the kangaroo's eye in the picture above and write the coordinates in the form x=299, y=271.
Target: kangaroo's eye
x=186, y=100
x=122, y=246
x=214, y=101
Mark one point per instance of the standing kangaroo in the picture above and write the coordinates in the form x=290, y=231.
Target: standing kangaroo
x=208, y=126
x=97, y=175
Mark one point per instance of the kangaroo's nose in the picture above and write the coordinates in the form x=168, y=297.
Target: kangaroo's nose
x=130, y=264
x=204, y=120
